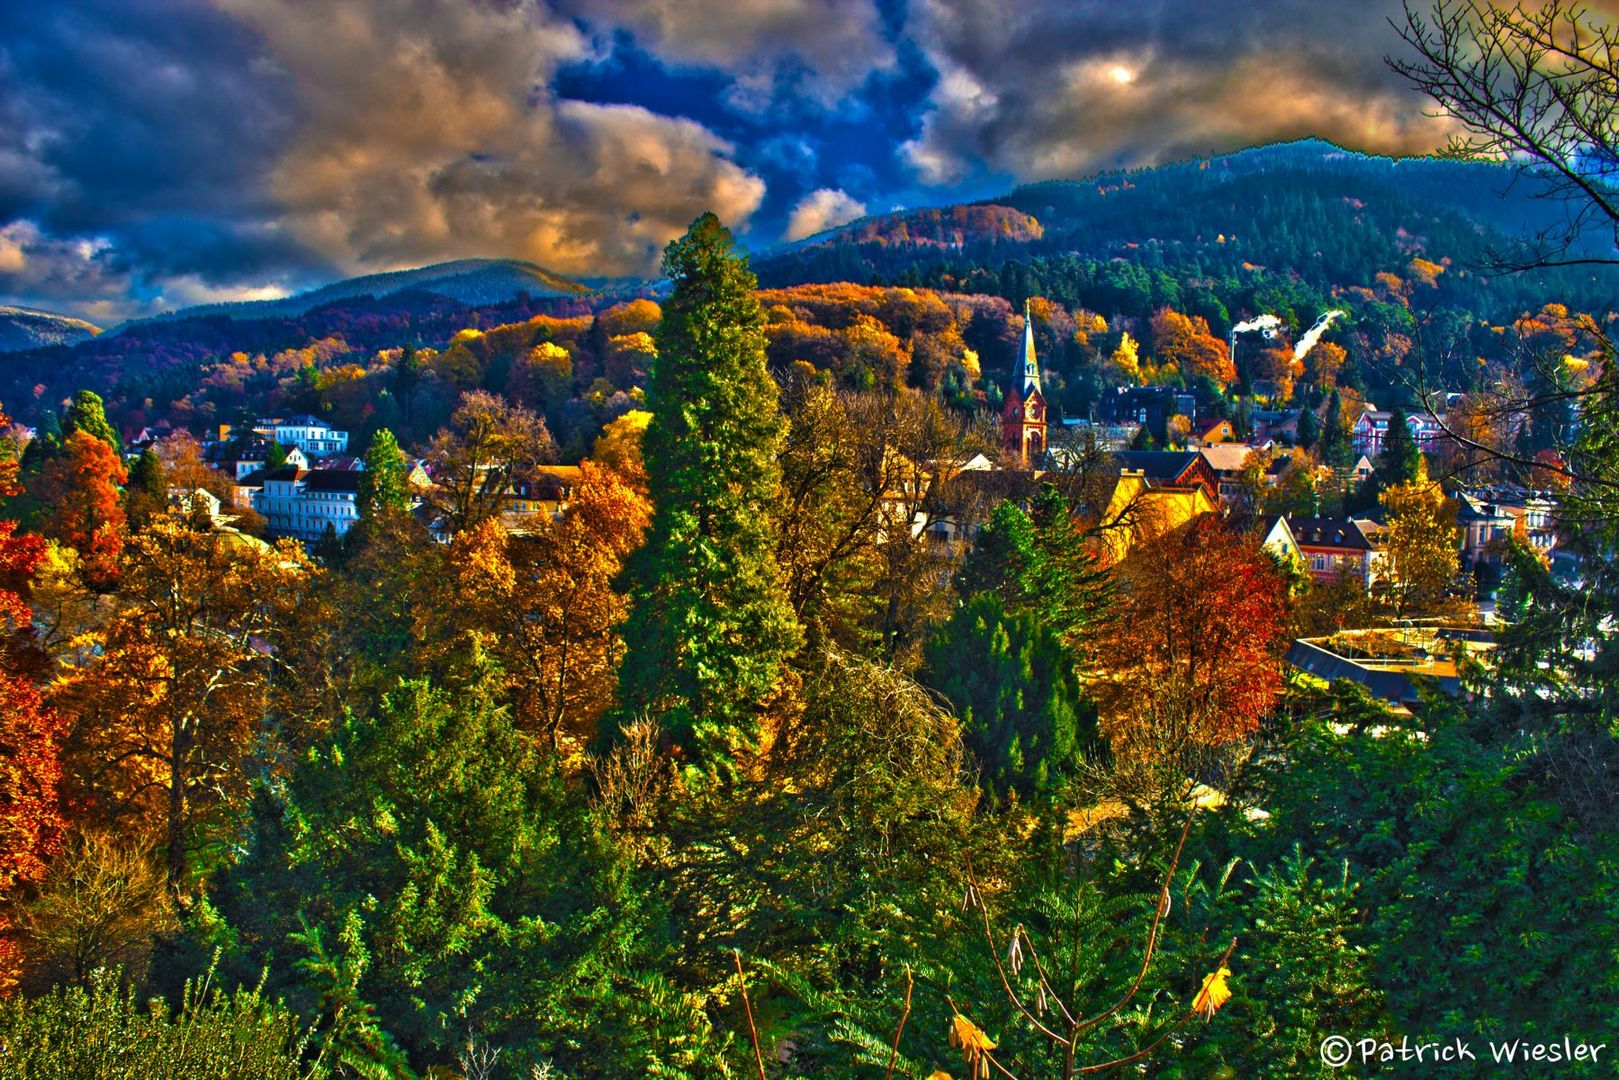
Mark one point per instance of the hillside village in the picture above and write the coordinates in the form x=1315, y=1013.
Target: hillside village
x=1158, y=620
x=296, y=478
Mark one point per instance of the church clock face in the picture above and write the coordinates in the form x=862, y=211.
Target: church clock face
x=1032, y=411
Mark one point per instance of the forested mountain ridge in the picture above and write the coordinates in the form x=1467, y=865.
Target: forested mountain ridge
x=27, y=328
x=1292, y=230
x=1306, y=210
x=473, y=282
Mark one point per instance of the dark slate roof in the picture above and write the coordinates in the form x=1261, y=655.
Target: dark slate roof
x=1163, y=465
x=1329, y=532
x=1391, y=685
x=301, y=420
x=339, y=480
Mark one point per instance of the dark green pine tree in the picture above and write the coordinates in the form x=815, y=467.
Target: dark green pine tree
x=1039, y=562
x=1400, y=460
x=1334, y=441
x=710, y=626
x=275, y=456
x=146, y=475
x=1012, y=682
x=999, y=559
x=89, y=415
x=423, y=872
x=384, y=483
x=1309, y=428
x=1063, y=582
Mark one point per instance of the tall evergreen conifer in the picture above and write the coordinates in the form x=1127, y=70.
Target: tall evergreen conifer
x=1400, y=460
x=383, y=483
x=711, y=625
x=89, y=415
x=1334, y=441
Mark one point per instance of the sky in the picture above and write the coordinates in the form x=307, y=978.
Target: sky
x=156, y=154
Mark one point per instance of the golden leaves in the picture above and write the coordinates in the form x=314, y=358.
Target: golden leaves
x=1213, y=993
x=974, y=1045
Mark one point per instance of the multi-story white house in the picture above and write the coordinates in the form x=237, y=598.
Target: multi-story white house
x=312, y=435
x=302, y=503
x=1372, y=429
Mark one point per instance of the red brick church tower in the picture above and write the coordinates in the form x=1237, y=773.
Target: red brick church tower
x=1023, y=419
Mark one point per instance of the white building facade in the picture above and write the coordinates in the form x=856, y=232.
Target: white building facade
x=304, y=503
x=312, y=435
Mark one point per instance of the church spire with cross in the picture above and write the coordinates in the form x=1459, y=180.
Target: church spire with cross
x=1027, y=374
x=1023, y=418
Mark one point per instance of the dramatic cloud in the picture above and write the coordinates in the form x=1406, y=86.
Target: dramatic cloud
x=1058, y=89
x=75, y=276
x=158, y=152
x=821, y=210
x=135, y=137
x=93, y=279
x=825, y=48
x=430, y=132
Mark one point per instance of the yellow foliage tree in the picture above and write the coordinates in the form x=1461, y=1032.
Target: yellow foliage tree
x=1127, y=357
x=169, y=694
x=1421, y=553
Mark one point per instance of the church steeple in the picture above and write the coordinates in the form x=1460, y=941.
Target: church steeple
x=1027, y=374
x=1023, y=417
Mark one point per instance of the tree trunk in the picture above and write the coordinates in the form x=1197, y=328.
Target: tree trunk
x=177, y=827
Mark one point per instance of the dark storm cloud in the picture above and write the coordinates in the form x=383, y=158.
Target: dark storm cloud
x=825, y=49
x=160, y=152
x=1048, y=89
x=135, y=138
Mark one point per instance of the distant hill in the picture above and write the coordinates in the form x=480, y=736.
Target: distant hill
x=26, y=328
x=1305, y=210
x=471, y=282
x=951, y=227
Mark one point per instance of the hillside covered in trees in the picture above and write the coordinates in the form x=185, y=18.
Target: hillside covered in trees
x=1403, y=247
x=707, y=686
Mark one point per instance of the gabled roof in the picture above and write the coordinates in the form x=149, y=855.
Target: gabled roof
x=1349, y=533
x=1226, y=457
x=1165, y=466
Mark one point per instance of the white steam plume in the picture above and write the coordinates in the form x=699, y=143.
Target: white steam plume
x=1313, y=335
x=1267, y=323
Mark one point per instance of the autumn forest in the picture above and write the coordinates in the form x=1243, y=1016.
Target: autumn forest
x=1160, y=624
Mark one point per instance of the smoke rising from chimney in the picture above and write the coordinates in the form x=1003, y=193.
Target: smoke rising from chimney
x=1267, y=323
x=1313, y=335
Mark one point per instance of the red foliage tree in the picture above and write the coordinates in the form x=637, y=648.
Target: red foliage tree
x=1194, y=663
x=80, y=485
x=31, y=822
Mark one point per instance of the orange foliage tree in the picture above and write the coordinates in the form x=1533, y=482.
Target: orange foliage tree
x=1187, y=342
x=1193, y=665
x=1322, y=364
x=168, y=704
x=80, y=487
x=549, y=602
x=1277, y=365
